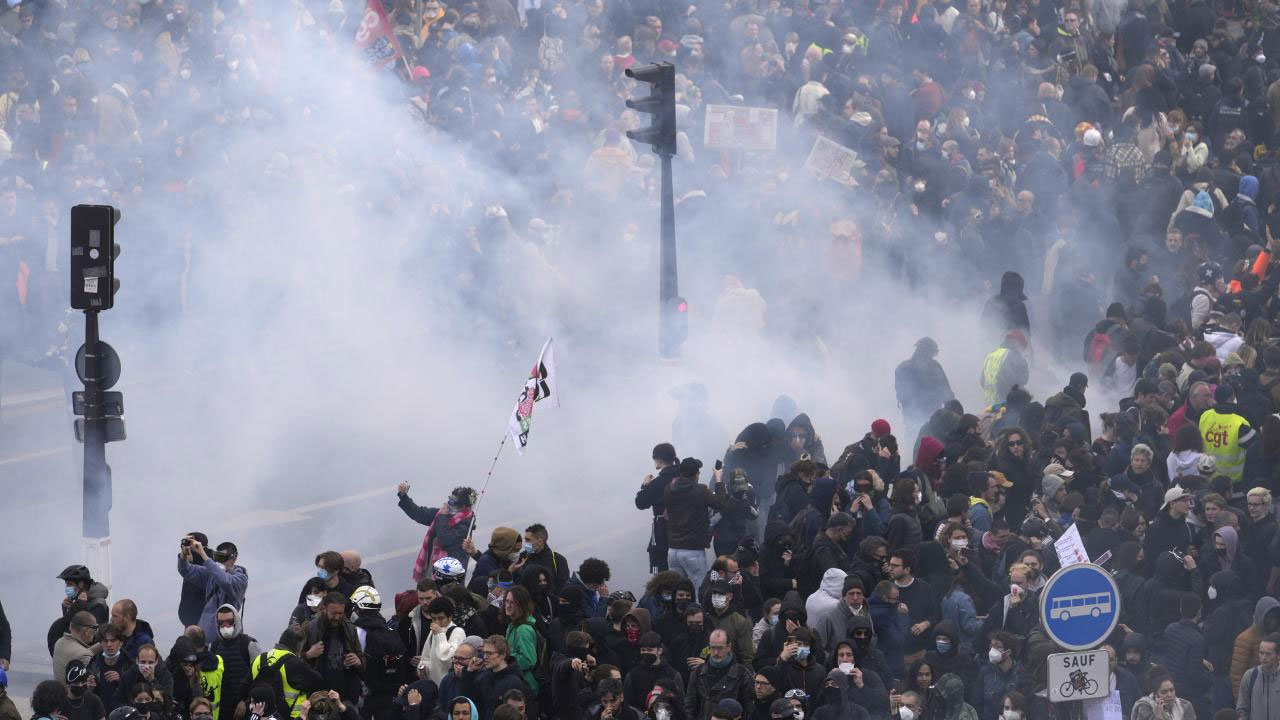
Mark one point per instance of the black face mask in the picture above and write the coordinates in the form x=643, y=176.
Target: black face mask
x=681, y=606
x=650, y=660
x=862, y=643
x=695, y=629
x=78, y=690
x=577, y=652
x=1221, y=551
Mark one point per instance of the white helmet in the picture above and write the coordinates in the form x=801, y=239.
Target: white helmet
x=447, y=570
x=366, y=597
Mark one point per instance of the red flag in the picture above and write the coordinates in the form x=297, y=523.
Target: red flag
x=374, y=37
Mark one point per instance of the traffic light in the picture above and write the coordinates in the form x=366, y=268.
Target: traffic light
x=675, y=326
x=661, y=104
x=93, y=256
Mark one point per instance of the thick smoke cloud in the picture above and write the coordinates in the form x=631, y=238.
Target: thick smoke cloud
x=340, y=296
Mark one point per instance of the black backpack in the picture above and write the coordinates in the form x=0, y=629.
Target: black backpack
x=271, y=677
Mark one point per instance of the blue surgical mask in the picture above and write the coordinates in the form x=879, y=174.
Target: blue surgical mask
x=773, y=619
x=944, y=646
x=802, y=653
x=323, y=574
x=528, y=547
x=71, y=592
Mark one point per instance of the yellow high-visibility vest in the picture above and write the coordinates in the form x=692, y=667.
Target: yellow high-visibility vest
x=211, y=682
x=991, y=374
x=275, y=658
x=1221, y=433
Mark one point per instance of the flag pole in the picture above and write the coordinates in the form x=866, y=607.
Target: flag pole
x=485, y=487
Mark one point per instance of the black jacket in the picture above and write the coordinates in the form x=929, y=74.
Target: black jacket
x=651, y=495
x=709, y=685
x=687, y=502
x=1180, y=650
x=1166, y=534
x=642, y=678
x=487, y=687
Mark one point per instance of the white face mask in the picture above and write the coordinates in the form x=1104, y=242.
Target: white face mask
x=995, y=656
x=846, y=668
x=313, y=601
x=960, y=544
x=905, y=713
x=227, y=632
x=719, y=602
x=1011, y=715
x=1213, y=593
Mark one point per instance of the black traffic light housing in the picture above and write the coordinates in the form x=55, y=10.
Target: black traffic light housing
x=661, y=104
x=93, y=256
x=674, y=327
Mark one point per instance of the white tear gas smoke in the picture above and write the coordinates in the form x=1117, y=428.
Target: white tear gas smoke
x=345, y=298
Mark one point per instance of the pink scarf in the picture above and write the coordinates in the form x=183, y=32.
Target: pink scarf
x=432, y=550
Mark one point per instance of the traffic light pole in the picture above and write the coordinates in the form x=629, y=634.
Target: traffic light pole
x=668, y=276
x=97, y=474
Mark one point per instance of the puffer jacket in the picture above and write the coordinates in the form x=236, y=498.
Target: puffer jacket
x=1244, y=653
x=1180, y=650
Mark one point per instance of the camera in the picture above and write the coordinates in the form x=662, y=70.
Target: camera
x=218, y=556
x=186, y=542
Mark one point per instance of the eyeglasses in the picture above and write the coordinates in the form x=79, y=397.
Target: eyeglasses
x=1015, y=443
x=1252, y=504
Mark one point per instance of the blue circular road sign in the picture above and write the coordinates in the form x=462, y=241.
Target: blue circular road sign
x=1080, y=606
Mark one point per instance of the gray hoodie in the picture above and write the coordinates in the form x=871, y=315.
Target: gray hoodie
x=1259, y=695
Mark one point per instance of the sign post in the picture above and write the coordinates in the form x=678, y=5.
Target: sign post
x=1079, y=609
x=1079, y=675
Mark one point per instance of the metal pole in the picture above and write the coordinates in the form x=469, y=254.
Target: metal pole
x=668, y=277
x=97, y=476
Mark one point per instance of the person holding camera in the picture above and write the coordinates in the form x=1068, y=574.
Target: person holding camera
x=224, y=582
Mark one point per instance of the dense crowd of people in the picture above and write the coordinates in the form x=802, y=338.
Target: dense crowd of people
x=1107, y=171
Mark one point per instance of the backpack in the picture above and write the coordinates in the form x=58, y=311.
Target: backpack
x=1098, y=348
x=271, y=677
x=542, y=667
x=1231, y=219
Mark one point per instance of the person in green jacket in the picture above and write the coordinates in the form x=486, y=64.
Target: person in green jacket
x=522, y=635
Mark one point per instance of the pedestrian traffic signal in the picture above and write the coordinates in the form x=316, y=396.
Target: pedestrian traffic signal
x=675, y=326
x=661, y=104
x=93, y=256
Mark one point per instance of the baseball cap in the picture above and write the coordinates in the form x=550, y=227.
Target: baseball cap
x=1172, y=494
x=1059, y=470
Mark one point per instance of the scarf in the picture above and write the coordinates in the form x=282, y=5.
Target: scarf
x=432, y=550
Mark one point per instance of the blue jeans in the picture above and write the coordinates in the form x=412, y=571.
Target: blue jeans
x=689, y=563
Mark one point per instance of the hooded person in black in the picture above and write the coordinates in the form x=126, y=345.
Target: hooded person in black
x=778, y=560
x=804, y=668
x=948, y=657
x=1174, y=579
x=864, y=643
x=691, y=642
x=186, y=663
x=813, y=518
x=801, y=440
x=1008, y=310
x=569, y=617
x=791, y=616
x=832, y=701
x=672, y=622
x=652, y=670
x=755, y=451
x=1232, y=616
x=1134, y=587
x=792, y=490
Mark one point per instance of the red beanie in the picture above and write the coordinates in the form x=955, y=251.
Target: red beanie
x=880, y=428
